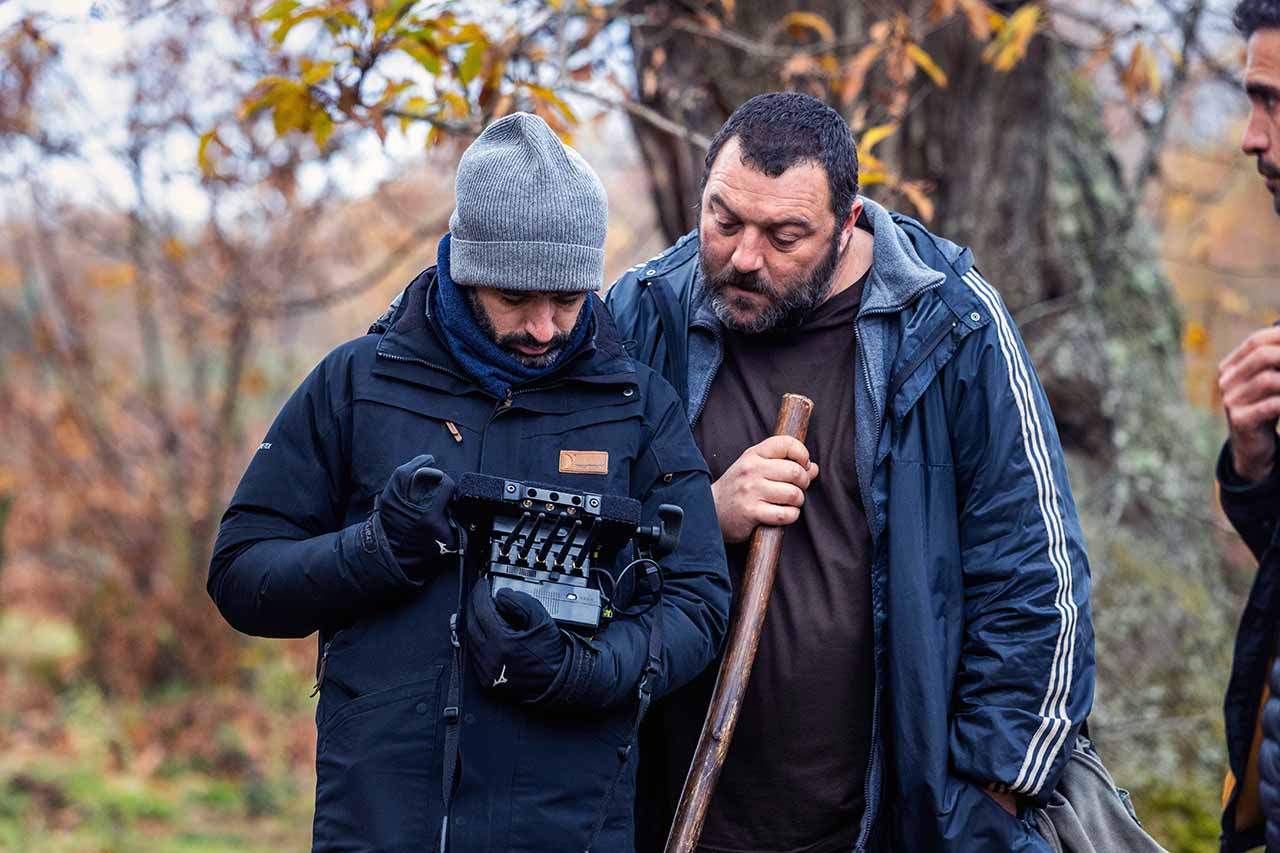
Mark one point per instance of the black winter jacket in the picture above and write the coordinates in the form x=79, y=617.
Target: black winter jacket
x=1254, y=511
x=290, y=559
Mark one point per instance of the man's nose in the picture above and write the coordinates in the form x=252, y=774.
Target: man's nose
x=540, y=323
x=1257, y=137
x=748, y=255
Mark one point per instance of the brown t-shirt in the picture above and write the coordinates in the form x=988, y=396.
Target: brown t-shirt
x=793, y=780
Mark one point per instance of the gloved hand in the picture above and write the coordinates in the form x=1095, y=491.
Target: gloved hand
x=1269, y=761
x=514, y=645
x=412, y=514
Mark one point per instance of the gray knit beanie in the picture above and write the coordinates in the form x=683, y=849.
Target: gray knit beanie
x=530, y=214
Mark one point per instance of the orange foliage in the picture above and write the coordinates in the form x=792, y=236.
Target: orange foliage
x=1219, y=251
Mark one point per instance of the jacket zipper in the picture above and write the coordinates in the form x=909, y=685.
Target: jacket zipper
x=324, y=659
x=715, y=368
x=866, y=372
x=423, y=362
x=870, y=798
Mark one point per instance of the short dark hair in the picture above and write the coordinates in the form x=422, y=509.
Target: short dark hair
x=1253, y=15
x=777, y=130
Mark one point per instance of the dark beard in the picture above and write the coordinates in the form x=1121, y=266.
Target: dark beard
x=786, y=310
x=1271, y=172
x=507, y=343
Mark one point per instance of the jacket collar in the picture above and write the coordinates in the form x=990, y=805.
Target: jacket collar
x=898, y=275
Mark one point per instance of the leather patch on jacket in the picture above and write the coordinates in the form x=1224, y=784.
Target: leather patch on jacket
x=584, y=462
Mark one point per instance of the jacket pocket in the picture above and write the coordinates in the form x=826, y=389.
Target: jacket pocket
x=378, y=782
x=565, y=775
x=390, y=426
x=976, y=822
x=574, y=415
x=1087, y=813
x=551, y=444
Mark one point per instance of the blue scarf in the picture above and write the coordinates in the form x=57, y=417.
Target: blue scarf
x=492, y=367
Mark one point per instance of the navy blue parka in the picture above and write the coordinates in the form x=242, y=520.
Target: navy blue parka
x=979, y=578
x=294, y=557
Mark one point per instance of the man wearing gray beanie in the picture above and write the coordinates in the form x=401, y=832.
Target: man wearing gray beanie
x=450, y=717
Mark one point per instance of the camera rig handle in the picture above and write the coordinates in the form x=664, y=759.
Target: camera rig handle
x=662, y=538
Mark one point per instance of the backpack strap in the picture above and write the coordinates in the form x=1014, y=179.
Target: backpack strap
x=675, y=368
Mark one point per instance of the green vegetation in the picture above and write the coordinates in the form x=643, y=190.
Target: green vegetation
x=1184, y=821
x=183, y=771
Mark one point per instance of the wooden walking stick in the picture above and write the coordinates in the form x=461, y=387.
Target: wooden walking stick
x=735, y=670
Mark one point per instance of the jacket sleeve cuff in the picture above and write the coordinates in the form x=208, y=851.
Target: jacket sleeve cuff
x=1241, y=499
x=367, y=558
x=1006, y=751
x=567, y=688
x=1233, y=483
x=588, y=680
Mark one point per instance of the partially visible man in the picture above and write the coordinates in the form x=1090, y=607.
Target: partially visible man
x=448, y=720
x=1249, y=486
x=927, y=656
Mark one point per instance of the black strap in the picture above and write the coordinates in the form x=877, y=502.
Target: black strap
x=453, y=703
x=651, y=669
x=676, y=334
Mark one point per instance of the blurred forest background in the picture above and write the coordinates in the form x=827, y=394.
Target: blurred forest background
x=198, y=198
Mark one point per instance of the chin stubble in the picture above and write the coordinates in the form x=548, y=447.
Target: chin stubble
x=784, y=311
x=507, y=342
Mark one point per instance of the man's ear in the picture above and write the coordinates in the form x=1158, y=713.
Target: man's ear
x=846, y=230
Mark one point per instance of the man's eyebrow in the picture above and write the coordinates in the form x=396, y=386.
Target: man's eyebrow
x=1256, y=89
x=795, y=221
x=719, y=202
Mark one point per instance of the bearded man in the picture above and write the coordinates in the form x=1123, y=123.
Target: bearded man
x=927, y=655
x=450, y=719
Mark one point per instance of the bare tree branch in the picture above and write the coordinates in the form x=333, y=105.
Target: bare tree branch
x=1149, y=164
x=461, y=128
x=367, y=281
x=562, y=43
x=1265, y=272
x=75, y=366
x=780, y=53
x=644, y=113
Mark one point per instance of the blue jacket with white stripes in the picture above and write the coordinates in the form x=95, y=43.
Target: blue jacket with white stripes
x=979, y=578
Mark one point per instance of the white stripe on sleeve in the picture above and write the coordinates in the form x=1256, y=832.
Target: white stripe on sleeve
x=1054, y=723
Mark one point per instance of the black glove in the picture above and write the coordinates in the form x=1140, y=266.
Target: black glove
x=514, y=645
x=1269, y=761
x=412, y=513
